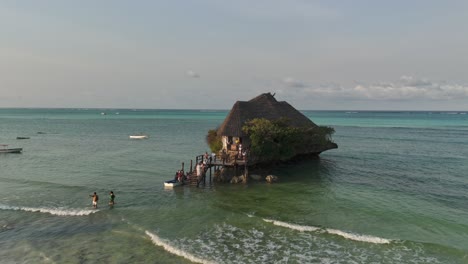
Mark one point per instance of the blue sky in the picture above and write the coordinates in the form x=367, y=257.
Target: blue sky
x=319, y=55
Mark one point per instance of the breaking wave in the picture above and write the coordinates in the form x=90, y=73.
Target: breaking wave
x=357, y=237
x=52, y=211
x=173, y=250
x=293, y=226
x=347, y=235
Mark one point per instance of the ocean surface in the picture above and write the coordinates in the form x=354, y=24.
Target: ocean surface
x=395, y=191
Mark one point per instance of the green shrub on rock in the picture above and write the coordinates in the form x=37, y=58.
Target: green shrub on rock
x=276, y=140
x=214, y=141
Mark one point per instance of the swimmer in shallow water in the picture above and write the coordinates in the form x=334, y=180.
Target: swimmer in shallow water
x=111, y=198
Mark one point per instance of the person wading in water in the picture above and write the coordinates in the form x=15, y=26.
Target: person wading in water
x=111, y=198
x=95, y=199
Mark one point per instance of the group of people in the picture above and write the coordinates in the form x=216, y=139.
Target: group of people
x=180, y=176
x=242, y=154
x=207, y=158
x=95, y=198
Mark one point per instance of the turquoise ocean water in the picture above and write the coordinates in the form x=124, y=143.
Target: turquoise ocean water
x=395, y=191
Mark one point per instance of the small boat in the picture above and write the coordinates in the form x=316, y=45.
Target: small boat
x=22, y=137
x=172, y=183
x=4, y=149
x=139, y=136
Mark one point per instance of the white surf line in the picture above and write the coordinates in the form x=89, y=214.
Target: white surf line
x=173, y=250
x=347, y=235
x=293, y=226
x=357, y=237
x=52, y=211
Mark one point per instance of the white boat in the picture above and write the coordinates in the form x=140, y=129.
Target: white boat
x=139, y=136
x=172, y=183
x=4, y=149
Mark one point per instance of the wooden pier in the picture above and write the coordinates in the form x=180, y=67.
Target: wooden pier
x=211, y=165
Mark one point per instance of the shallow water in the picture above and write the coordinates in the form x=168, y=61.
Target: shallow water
x=393, y=192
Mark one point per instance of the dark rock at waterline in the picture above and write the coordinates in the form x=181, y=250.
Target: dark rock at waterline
x=271, y=178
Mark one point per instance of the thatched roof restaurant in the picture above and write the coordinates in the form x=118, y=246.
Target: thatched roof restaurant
x=263, y=106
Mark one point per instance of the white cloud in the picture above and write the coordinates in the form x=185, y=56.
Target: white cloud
x=291, y=82
x=192, y=74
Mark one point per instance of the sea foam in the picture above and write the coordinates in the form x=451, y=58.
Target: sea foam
x=357, y=237
x=347, y=235
x=301, y=228
x=52, y=211
x=173, y=250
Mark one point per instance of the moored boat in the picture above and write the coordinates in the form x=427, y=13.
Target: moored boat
x=172, y=183
x=4, y=149
x=138, y=136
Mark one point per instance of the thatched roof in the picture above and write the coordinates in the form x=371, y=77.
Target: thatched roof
x=262, y=106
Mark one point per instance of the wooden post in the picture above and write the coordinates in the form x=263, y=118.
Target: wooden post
x=235, y=168
x=190, y=165
x=182, y=166
x=204, y=177
x=246, y=172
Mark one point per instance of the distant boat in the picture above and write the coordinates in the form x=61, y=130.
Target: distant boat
x=139, y=136
x=172, y=183
x=103, y=113
x=22, y=137
x=4, y=149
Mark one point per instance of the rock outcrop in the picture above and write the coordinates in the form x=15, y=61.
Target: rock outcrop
x=271, y=178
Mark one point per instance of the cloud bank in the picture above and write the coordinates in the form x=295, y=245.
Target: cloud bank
x=406, y=88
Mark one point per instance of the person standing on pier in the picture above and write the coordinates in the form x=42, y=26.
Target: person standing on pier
x=199, y=170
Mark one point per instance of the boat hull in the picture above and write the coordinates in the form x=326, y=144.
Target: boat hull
x=138, y=137
x=172, y=183
x=15, y=150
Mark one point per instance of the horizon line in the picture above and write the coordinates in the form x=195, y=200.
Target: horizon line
x=217, y=109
